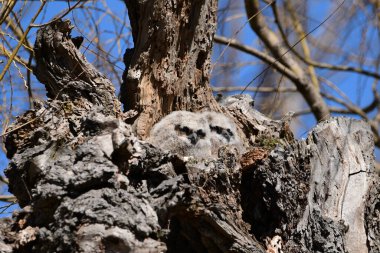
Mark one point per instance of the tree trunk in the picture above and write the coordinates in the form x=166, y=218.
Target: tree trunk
x=169, y=67
x=88, y=184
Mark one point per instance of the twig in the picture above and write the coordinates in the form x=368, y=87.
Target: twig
x=4, y=180
x=21, y=42
x=8, y=198
x=299, y=30
x=4, y=208
x=6, y=9
x=316, y=64
x=57, y=18
x=262, y=56
x=254, y=89
x=238, y=31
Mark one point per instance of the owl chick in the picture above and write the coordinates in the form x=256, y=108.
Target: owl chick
x=222, y=131
x=184, y=133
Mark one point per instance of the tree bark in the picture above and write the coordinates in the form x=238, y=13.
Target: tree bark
x=66, y=75
x=86, y=183
x=169, y=67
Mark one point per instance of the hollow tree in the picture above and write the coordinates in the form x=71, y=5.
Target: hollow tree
x=87, y=182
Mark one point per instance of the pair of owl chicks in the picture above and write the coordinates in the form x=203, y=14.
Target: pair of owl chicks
x=199, y=135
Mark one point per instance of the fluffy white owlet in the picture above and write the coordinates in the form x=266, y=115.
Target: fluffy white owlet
x=184, y=133
x=223, y=131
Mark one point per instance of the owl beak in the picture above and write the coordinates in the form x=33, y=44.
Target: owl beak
x=226, y=135
x=193, y=138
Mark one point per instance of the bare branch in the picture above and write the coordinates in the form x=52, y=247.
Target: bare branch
x=298, y=27
x=59, y=17
x=8, y=198
x=307, y=59
x=15, y=51
x=307, y=90
x=254, y=89
x=4, y=180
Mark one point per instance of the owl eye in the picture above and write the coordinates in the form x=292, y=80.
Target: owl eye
x=200, y=133
x=186, y=130
x=183, y=130
x=216, y=129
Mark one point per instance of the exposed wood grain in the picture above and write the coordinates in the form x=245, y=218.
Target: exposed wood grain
x=169, y=67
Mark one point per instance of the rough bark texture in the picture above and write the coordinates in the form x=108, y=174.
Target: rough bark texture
x=111, y=192
x=66, y=74
x=88, y=184
x=168, y=68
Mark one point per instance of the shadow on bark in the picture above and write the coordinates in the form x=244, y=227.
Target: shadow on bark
x=88, y=184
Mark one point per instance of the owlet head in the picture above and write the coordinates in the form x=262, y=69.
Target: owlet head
x=184, y=133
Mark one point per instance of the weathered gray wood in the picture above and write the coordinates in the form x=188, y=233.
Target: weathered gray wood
x=77, y=193
x=104, y=188
x=342, y=172
x=314, y=193
x=372, y=217
x=88, y=184
x=65, y=71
